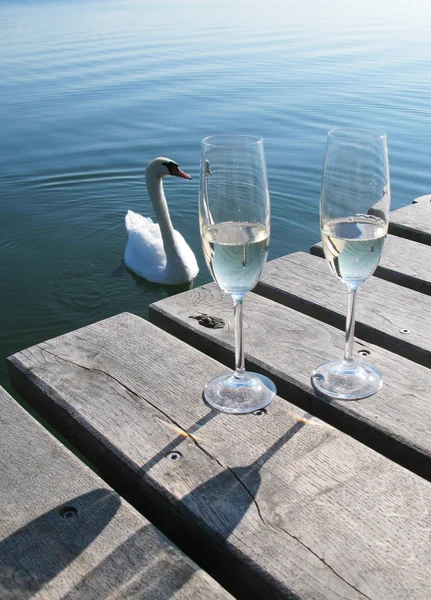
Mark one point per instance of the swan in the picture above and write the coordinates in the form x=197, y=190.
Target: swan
x=156, y=251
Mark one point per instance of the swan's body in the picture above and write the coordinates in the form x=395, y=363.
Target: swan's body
x=156, y=251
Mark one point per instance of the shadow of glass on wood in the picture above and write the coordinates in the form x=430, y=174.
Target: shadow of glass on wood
x=200, y=523
x=224, y=499
x=182, y=434
x=143, y=567
x=35, y=554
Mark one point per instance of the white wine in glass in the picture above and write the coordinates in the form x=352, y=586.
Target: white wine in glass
x=354, y=217
x=234, y=216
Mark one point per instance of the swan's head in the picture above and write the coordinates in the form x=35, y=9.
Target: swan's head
x=162, y=166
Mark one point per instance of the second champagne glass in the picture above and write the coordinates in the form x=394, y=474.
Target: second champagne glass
x=234, y=218
x=354, y=216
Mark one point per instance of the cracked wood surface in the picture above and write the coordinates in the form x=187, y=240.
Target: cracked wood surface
x=65, y=534
x=277, y=342
x=383, y=309
x=289, y=506
x=412, y=222
x=404, y=262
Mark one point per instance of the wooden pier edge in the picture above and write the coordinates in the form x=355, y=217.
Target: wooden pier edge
x=290, y=365
x=412, y=222
x=127, y=479
x=316, y=524
x=65, y=533
x=384, y=310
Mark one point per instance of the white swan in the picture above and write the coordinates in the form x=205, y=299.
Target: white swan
x=156, y=251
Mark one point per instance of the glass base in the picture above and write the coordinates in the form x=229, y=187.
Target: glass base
x=338, y=379
x=230, y=394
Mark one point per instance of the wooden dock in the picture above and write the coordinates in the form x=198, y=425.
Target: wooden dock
x=65, y=534
x=308, y=499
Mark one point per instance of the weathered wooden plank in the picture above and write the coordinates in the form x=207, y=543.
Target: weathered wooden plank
x=287, y=346
x=412, y=222
x=404, y=262
x=65, y=534
x=389, y=315
x=291, y=507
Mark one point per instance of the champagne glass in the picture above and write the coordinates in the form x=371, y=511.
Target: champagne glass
x=354, y=216
x=234, y=224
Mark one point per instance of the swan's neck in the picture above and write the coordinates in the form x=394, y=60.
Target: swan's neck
x=160, y=206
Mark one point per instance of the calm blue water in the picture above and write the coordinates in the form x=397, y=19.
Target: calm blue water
x=92, y=90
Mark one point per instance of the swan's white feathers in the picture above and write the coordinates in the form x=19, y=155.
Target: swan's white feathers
x=145, y=253
x=144, y=241
x=134, y=221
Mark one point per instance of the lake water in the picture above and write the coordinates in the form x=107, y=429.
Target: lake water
x=92, y=90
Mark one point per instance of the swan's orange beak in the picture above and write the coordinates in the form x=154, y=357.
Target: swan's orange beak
x=176, y=171
x=182, y=174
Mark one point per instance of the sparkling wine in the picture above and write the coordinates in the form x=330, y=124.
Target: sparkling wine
x=353, y=246
x=235, y=253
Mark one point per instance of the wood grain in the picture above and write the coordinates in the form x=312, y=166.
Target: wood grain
x=404, y=262
x=287, y=346
x=412, y=222
x=384, y=310
x=288, y=506
x=65, y=534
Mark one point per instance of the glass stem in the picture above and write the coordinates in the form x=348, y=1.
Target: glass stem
x=350, y=325
x=239, y=347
